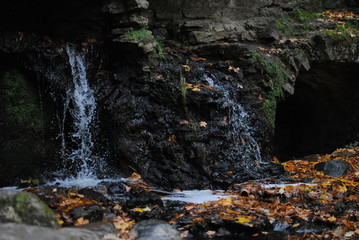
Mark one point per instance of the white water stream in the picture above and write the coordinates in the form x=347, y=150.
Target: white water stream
x=78, y=149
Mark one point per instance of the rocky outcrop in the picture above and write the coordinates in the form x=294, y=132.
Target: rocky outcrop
x=199, y=112
x=25, y=208
x=334, y=168
x=154, y=229
x=14, y=231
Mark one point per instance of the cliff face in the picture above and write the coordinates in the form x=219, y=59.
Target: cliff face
x=187, y=90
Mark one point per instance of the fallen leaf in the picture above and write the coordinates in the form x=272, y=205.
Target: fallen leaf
x=349, y=234
x=196, y=89
x=135, y=176
x=81, y=221
x=202, y=124
x=172, y=138
x=242, y=220
x=146, y=209
x=186, y=68
x=184, y=122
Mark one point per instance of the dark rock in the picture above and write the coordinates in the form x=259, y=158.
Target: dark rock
x=100, y=228
x=334, y=168
x=93, y=195
x=141, y=198
x=154, y=229
x=14, y=231
x=93, y=213
x=21, y=207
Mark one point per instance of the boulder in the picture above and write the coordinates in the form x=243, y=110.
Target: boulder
x=14, y=231
x=25, y=208
x=334, y=168
x=154, y=229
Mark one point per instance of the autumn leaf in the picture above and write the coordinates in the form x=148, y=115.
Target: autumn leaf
x=186, y=68
x=135, y=176
x=81, y=221
x=234, y=69
x=172, y=138
x=196, y=59
x=184, y=122
x=208, y=87
x=202, y=124
x=146, y=209
x=242, y=220
x=196, y=89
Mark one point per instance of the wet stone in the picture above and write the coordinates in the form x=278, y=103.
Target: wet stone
x=154, y=229
x=334, y=168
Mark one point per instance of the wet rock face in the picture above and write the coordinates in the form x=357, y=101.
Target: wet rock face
x=178, y=121
x=322, y=115
x=178, y=135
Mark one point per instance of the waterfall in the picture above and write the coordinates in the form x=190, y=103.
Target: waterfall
x=83, y=113
x=81, y=162
x=241, y=133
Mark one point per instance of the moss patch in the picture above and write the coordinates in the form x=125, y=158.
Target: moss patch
x=275, y=77
x=22, y=105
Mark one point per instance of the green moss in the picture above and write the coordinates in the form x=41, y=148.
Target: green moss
x=138, y=34
x=275, y=77
x=21, y=101
x=303, y=16
x=22, y=203
x=25, y=209
x=182, y=87
x=345, y=34
x=298, y=23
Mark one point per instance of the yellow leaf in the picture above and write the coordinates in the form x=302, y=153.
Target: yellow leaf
x=196, y=89
x=332, y=219
x=146, y=209
x=342, y=189
x=242, y=220
x=172, y=138
x=135, y=176
x=186, y=68
x=202, y=124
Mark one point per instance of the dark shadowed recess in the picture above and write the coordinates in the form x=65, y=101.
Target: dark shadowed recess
x=323, y=113
x=66, y=18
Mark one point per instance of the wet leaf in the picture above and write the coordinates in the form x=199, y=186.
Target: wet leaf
x=184, y=122
x=186, y=68
x=81, y=221
x=243, y=220
x=146, y=209
x=135, y=176
x=172, y=138
x=202, y=124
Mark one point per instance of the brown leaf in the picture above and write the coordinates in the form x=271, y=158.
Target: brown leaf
x=184, y=122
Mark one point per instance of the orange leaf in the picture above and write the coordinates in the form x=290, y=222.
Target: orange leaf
x=81, y=221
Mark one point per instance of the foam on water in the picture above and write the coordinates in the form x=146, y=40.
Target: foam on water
x=197, y=196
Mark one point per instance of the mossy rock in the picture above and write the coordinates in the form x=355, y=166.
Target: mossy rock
x=21, y=101
x=26, y=208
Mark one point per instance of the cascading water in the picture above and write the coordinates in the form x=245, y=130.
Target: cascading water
x=241, y=133
x=83, y=113
x=77, y=151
